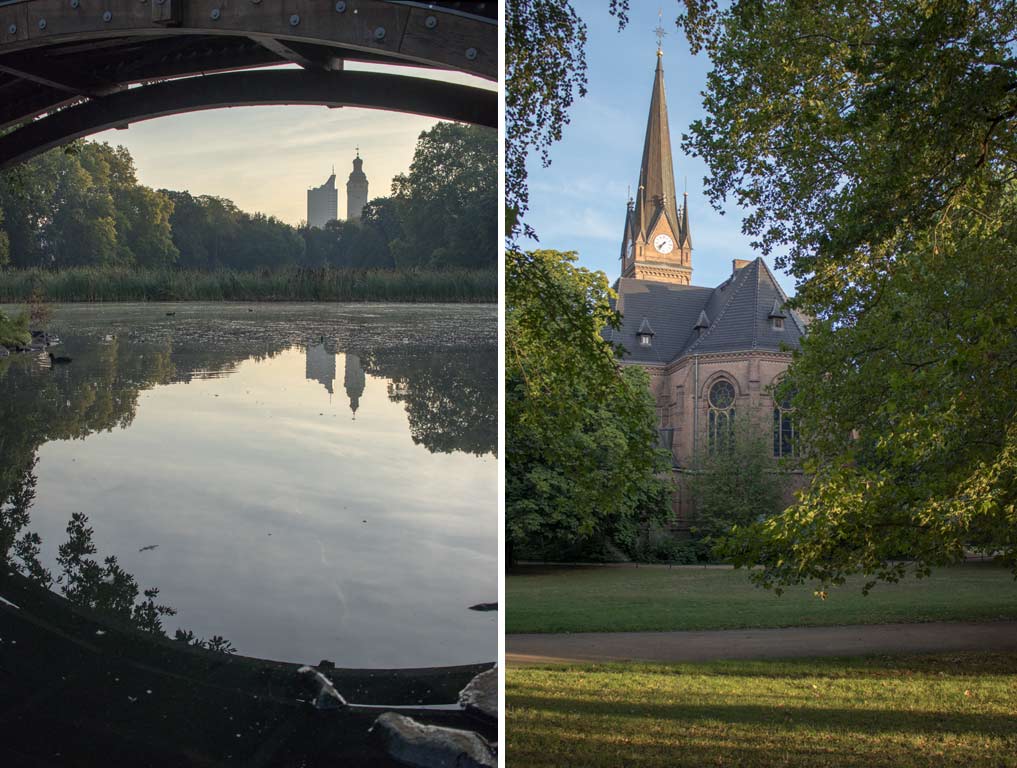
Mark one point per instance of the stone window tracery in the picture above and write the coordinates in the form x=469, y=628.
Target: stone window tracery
x=785, y=434
x=720, y=420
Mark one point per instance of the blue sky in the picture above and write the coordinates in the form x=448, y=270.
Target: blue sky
x=578, y=203
x=265, y=158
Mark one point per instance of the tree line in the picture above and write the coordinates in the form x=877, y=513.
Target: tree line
x=82, y=205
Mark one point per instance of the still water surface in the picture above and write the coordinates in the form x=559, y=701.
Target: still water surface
x=305, y=481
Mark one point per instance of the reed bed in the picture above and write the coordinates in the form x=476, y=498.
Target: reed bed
x=108, y=284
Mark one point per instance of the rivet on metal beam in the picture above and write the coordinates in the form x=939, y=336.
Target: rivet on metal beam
x=216, y=13
x=340, y=7
x=471, y=53
x=12, y=29
x=42, y=23
x=294, y=20
x=431, y=22
x=75, y=3
x=379, y=33
x=107, y=16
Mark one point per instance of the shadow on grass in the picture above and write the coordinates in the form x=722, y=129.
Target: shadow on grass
x=867, y=721
x=875, y=667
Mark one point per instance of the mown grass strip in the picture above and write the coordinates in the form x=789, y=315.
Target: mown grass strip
x=647, y=599
x=959, y=709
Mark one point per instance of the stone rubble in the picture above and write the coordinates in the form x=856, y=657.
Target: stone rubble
x=480, y=696
x=432, y=746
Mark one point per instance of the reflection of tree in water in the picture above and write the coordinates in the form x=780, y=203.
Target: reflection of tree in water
x=99, y=392
x=450, y=396
x=104, y=587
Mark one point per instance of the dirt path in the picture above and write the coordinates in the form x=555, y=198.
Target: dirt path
x=790, y=642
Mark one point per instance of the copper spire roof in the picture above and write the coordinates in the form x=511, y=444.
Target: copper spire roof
x=656, y=174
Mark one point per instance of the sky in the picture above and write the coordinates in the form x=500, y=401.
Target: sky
x=578, y=203
x=265, y=158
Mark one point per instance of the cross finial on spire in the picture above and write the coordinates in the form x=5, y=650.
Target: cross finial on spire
x=661, y=33
x=358, y=151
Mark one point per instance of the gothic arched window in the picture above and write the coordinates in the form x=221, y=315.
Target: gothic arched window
x=784, y=432
x=720, y=423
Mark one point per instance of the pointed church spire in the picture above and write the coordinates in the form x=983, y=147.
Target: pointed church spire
x=657, y=245
x=686, y=232
x=656, y=173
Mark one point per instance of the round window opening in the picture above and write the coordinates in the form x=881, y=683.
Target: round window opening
x=722, y=394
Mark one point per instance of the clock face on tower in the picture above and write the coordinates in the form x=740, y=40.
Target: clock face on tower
x=663, y=244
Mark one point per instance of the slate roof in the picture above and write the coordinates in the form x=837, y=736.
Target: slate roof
x=738, y=311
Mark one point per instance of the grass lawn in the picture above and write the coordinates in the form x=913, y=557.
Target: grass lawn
x=958, y=710
x=596, y=599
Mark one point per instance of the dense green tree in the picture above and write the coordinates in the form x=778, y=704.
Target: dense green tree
x=875, y=146
x=581, y=438
x=737, y=485
x=83, y=205
x=381, y=225
x=142, y=215
x=449, y=200
x=263, y=242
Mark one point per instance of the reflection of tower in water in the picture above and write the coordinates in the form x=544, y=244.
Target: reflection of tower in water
x=354, y=381
x=320, y=366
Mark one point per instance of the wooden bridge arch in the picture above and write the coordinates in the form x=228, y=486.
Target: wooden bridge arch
x=69, y=68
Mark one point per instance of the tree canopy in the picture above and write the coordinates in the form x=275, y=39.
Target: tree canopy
x=874, y=144
x=581, y=434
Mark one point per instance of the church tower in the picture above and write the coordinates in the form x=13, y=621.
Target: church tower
x=657, y=244
x=356, y=190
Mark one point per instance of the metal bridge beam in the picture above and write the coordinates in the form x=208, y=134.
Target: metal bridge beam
x=422, y=34
x=371, y=90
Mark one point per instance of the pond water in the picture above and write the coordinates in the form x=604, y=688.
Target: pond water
x=302, y=482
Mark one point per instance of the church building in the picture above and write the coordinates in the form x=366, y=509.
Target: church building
x=712, y=353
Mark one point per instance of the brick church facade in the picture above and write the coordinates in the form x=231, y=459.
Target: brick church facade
x=713, y=354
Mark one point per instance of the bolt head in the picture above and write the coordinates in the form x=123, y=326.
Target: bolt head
x=216, y=13
x=340, y=7
x=42, y=23
x=12, y=29
x=294, y=20
x=75, y=3
x=107, y=16
x=431, y=22
x=471, y=53
x=379, y=33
